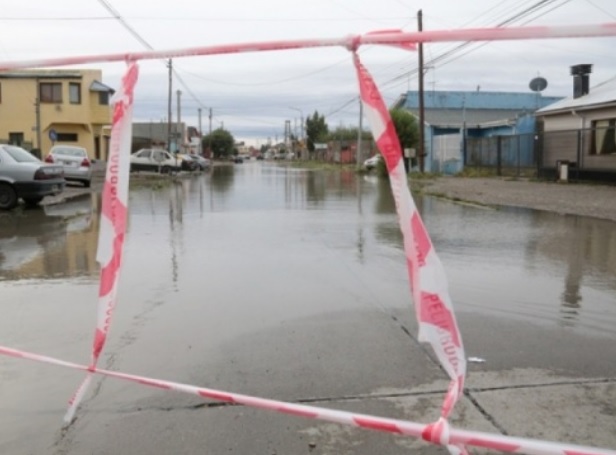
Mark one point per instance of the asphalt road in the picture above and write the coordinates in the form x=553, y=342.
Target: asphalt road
x=291, y=285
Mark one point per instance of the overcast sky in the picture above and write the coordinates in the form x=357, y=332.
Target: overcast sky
x=253, y=94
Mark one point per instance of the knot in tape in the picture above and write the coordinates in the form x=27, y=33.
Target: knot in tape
x=437, y=432
x=353, y=42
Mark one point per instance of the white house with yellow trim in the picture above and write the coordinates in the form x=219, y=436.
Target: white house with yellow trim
x=40, y=108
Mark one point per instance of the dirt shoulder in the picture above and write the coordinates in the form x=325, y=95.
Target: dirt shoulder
x=597, y=201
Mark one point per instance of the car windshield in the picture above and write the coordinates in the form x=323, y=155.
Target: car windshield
x=20, y=155
x=69, y=151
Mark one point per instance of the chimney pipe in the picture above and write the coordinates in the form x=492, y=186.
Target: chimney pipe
x=581, y=81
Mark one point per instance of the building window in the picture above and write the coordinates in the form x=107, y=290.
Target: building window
x=74, y=92
x=604, y=137
x=16, y=139
x=67, y=137
x=50, y=92
x=103, y=98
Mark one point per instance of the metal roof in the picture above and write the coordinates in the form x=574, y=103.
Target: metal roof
x=435, y=99
x=97, y=86
x=600, y=95
x=474, y=118
x=41, y=74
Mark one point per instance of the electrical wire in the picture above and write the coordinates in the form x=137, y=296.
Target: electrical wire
x=607, y=13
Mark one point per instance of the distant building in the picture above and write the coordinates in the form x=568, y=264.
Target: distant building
x=157, y=134
x=454, y=118
x=40, y=108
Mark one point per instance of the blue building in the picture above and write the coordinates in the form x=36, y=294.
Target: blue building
x=456, y=121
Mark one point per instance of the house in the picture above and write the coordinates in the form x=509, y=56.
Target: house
x=580, y=130
x=462, y=127
x=40, y=108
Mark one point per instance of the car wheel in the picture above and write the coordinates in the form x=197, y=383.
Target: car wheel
x=8, y=196
x=165, y=170
x=32, y=201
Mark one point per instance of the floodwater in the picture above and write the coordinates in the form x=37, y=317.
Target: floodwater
x=264, y=279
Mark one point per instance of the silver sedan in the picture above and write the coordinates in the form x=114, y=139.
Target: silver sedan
x=22, y=175
x=77, y=166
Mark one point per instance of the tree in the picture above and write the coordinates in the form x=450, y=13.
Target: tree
x=406, y=128
x=343, y=133
x=316, y=130
x=407, y=131
x=221, y=143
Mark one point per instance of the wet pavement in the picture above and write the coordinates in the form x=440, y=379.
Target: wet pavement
x=291, y=284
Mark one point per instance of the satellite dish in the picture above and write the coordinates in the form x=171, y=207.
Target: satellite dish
x=538, y=84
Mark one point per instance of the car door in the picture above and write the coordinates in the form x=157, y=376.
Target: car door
x=160, y=158
x=141, y=161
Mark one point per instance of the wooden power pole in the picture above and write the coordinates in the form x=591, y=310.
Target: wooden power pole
x=421, y=149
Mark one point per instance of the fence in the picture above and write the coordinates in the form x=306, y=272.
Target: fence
x=510, y=155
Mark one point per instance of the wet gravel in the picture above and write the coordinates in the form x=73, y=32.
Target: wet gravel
x=592, y=200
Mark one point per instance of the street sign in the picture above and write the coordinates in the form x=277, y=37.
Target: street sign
x=53, y=135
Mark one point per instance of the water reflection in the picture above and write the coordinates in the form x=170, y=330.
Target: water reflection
x=514, y=263
x=51, y=241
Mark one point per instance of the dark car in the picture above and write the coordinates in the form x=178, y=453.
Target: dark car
x=238, y=159
x=22, y=175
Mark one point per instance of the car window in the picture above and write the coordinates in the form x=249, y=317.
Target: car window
x=144, y=154
x=158, y=155
x=70, y=152
x=20, y=155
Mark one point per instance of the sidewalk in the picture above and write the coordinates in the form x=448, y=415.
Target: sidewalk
x=592, y=200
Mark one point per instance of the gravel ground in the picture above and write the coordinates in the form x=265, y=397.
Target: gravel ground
x=592, y=200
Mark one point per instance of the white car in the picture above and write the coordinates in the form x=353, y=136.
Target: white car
x=155, y=160
x=75, y=161
x=372, y=162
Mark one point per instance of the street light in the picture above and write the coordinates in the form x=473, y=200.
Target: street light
x=301, y=119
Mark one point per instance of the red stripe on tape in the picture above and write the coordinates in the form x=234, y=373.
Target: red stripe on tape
x=217, y=396
x=377, y=425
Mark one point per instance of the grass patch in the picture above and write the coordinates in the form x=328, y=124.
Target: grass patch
x=320, y=165
x=152, y=181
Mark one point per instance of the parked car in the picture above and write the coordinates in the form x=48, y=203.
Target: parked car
x=155, y=160
x=187, y=163
x=238, y=159
x=372, y=162
x=77, y=166
x=22, y=175
x=202, y=163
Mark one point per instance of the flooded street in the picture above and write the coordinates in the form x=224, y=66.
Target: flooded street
x=291, y=284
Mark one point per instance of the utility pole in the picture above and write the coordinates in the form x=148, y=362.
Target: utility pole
x=421, y=148
x=37, y=107
x=169, y=100
x=209, y=146
x=200, y=134
x=359, y=131
x=178, y=125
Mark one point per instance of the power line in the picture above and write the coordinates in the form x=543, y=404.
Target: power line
x=115, y=13
x=454, y=54
x=601, y=9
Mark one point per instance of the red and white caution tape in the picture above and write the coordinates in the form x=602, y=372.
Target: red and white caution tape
x=114, y=214
x=405, y=40
x=401, y=427
x=437, y=324
x=433, y=307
